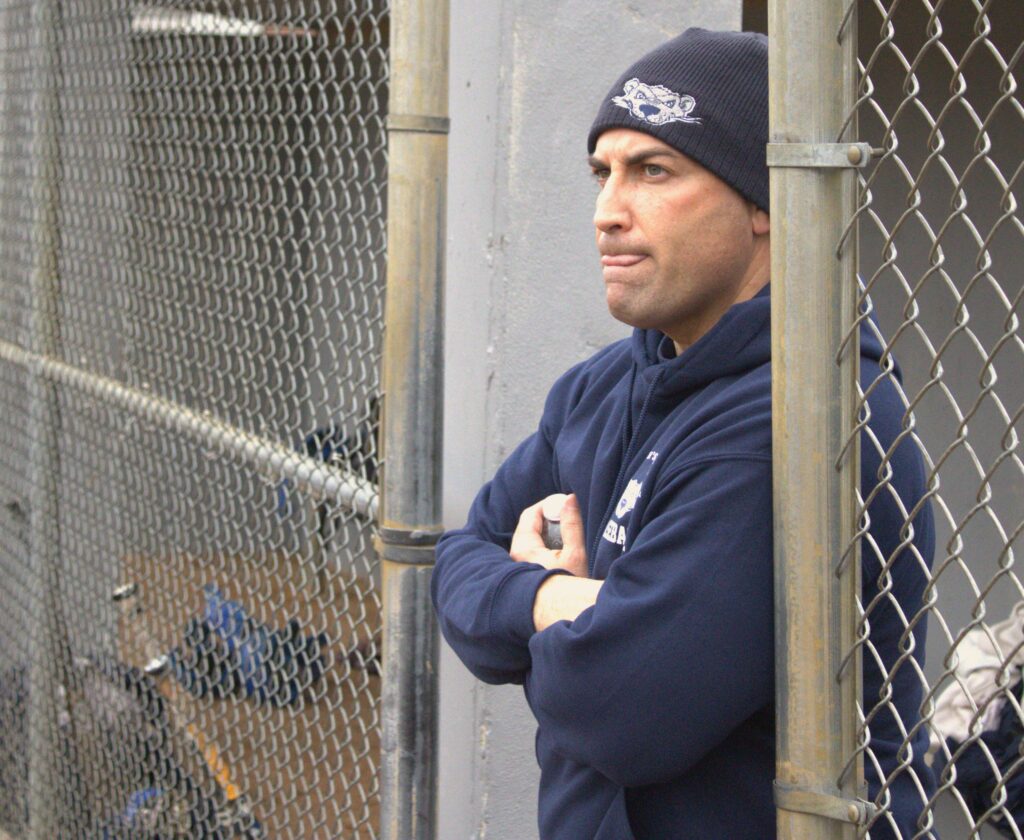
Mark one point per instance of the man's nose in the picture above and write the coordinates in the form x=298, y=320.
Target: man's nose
x=611, y=211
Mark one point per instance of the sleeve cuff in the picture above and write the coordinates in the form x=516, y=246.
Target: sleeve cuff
x=512, y=605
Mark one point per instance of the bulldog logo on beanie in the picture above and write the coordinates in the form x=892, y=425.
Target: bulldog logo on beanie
x=656, y=104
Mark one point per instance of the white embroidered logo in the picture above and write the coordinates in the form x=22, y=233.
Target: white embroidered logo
x=615, y=534
x=656, y=104
x=628, y=500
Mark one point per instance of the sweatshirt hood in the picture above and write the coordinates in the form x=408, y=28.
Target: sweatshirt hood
x=738, y=342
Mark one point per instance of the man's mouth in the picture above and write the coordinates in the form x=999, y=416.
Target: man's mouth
x=621, y=260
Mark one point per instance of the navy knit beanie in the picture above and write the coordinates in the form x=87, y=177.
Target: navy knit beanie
x=705, y=94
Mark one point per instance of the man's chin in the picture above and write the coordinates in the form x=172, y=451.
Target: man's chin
x=621, y=311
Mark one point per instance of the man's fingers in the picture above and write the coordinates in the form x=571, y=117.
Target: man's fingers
x=574, y=541
x=572, y=524
x=528, y=542
x=552, y=506
x=530, y=519
x=526, y=539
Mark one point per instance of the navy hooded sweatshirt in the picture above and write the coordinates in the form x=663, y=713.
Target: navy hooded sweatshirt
x=656, y=705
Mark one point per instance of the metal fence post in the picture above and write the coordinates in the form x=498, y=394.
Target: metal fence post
x=411, y=484
x=815, y=366
x=47, y=638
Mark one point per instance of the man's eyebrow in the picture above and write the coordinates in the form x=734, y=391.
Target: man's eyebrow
x=639, y=156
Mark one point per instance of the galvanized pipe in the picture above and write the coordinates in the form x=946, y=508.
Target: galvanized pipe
x=266, y=456
x=48, y=645
x=811, y=63
x=413, y=383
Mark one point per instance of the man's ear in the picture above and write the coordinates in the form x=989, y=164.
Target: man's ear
x=761, y=222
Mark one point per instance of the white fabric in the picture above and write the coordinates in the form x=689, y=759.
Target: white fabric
x=982, y=655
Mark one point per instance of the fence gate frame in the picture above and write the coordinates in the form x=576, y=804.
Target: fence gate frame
x=812, y=155
x=930, y=101
x=413, y=387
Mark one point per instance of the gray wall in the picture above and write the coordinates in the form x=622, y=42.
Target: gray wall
x=524, y=301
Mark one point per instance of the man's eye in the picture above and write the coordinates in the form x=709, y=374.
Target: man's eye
x=600, y=175
x=652, y=170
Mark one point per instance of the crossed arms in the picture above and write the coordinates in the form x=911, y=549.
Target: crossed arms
x=560, y=597
x=682, y=621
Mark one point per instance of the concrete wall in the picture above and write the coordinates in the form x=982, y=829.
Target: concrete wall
x=524, y=301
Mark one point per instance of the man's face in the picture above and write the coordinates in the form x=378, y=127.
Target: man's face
x=678, y=245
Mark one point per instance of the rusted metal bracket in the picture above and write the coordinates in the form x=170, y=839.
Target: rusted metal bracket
x=831, y=805
x=821, y=155
x=414, y=547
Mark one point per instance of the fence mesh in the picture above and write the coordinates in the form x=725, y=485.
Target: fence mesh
x=941, y=244
x=192, y=235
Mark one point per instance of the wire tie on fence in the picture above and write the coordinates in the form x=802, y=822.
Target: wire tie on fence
x=124, y=592
x=829, y=804
x=819, y=155
x=157, y=666
x=412, y=546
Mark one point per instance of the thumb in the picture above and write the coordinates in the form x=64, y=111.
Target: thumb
x=574, y=541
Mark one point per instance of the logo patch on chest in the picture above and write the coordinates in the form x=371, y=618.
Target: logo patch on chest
x=615, y=530
x=629, y=497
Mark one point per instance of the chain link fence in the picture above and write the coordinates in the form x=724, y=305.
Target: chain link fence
x=941, y=245
x=192, y=268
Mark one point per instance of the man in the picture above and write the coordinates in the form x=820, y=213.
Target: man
x=645, y=645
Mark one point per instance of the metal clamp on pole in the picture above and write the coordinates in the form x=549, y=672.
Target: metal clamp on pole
x=830, y=805
x=415, y=547
x=418, y=123
x=821, y=155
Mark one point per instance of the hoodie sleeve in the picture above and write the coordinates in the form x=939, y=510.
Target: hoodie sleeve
x=679, y=649
x=483, y=598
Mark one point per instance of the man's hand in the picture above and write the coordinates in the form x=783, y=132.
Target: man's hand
x=560, y=597
x=528, y=546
